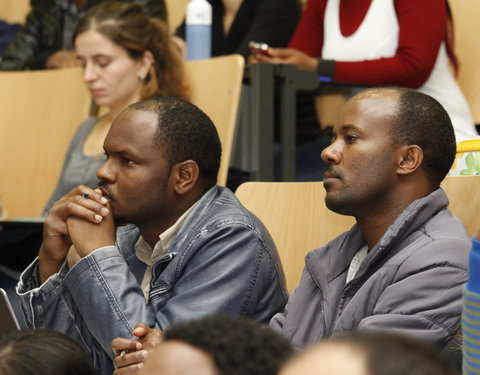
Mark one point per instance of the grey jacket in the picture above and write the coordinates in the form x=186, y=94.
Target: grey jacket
x=222, y=261
x=411, y=281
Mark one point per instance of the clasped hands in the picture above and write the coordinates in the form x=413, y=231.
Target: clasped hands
x=82, y=218
x=130, y=354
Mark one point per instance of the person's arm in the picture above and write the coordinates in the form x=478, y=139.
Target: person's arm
x=227, y=270
x=57, y=231
x=27, y=49
x=308, y=36
x=273, y=23
x=416, y=54
x=417, y=51
x=425, y=298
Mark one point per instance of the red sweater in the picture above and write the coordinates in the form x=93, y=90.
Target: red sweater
x=422, y=29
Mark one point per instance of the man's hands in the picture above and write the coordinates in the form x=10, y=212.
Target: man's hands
x=93, y=226
x=87, y=236
x=130, y=354
x=287, y=56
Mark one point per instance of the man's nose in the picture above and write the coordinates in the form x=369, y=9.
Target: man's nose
x=331, y=154
x=106, y=172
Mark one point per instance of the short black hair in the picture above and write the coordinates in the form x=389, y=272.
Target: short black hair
x=238, y=346
x=42, y=351
x=396, y=354
x=421, y=120
x=185, y=132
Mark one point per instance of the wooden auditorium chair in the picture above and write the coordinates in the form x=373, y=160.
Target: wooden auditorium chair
x=40, y=111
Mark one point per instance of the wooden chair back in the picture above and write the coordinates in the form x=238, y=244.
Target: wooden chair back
x=296, y=217
x=466, y=28
x=176, y=12
x=215, y=88
x=14, y=11
x=464, y=195
x=40, y=111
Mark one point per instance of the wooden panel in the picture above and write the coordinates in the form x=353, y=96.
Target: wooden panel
x=176, y=12
x=467, y=29
x=40, y=111
x=14, y=11
x=297, y=218
x=215, y=88
x=464, y=195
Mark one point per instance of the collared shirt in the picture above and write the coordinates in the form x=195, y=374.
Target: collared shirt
x=356, y=262
x=150, y=256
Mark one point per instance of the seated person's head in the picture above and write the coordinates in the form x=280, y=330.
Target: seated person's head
x=127, y=56
x=368, y=353
x=42, y=351
x=219, y=345
x=387, y=141
x=163, y=154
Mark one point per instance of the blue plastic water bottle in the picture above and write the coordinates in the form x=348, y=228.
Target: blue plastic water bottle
x=199, y=30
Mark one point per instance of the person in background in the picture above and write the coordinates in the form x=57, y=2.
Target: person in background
x=237, y=22
x=42, y=351
x=381, y=42
x=126, y=56
x=45, y=40
x=215, y=345
x=368, y=353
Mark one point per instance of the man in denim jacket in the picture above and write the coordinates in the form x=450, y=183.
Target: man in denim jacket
x=190, y=249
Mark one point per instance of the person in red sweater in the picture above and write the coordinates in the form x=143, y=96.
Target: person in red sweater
x=381, y=42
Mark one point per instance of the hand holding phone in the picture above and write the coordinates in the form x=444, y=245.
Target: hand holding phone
x=259, y=48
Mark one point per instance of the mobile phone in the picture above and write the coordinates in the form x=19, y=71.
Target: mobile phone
x=259, y=48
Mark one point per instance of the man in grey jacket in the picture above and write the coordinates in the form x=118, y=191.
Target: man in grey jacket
x=189, y=250
x=401, y=267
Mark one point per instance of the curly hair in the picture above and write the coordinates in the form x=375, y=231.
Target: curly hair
x=128, y=25
x=421, y=120
x=238, y=346
x=185, y=132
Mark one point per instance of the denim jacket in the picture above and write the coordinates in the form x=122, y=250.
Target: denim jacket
x=222, y=261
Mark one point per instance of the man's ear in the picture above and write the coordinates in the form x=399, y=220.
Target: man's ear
x=186, y=176
x=411, y=158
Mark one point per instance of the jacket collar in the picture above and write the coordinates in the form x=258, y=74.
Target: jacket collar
x=330, y=261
